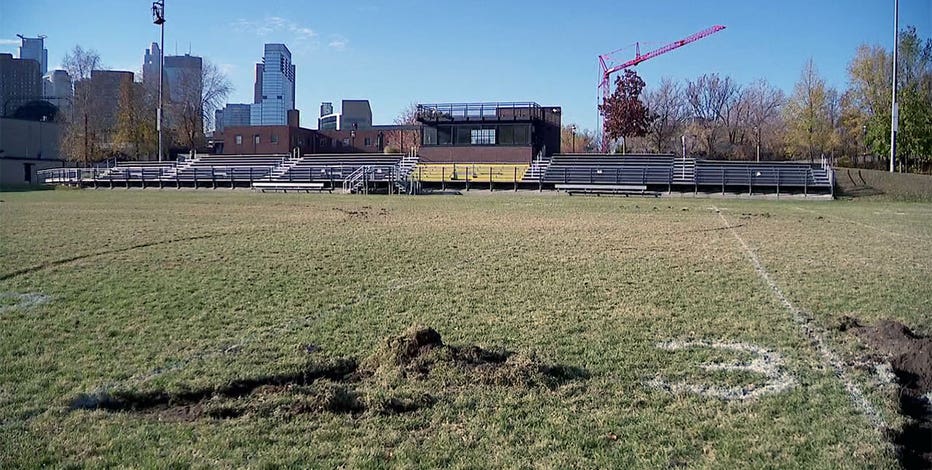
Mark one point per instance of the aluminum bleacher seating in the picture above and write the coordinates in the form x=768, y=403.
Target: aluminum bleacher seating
x=610, y=169
x=337, y=167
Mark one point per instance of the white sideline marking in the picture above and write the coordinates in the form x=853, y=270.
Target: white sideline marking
x=856, y=222
x=23, y=301
x=765, y=362
x=804, y=320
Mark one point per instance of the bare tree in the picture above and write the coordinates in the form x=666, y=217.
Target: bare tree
x=136, y=134
x=574, y=139
x=192, y=104
x=668, y=112
x=708, y=97
x=764, y=104
x=79, y=63
x=408, y=136
x=79, y=136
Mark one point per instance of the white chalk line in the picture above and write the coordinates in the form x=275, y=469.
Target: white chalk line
x=804, y=320
x=23, y=301
x=872, y=227
x=765, y=362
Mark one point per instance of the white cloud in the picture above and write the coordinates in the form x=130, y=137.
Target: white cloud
x=9, y=42
x=337, y=42
x=227, y=69
x=274, y=25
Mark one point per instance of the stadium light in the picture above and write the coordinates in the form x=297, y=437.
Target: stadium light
x=158, y=18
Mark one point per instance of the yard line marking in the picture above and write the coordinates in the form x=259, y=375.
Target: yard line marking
x=805, y=322
x=852, y=221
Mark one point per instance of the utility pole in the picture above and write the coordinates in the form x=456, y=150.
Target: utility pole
x=158, y=17
x=894, y=109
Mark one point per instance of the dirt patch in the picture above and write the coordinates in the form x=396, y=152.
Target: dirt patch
x=751, y=215
x=420, y=353
x=364, y=212
x=381, y=384
x=910, y=357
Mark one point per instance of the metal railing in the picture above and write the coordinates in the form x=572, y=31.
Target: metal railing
x=479, y=111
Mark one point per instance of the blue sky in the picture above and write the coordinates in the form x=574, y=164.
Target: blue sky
x=399, y=52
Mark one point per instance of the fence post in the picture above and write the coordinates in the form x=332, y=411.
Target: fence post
x=516, y=179
x=443, y=178
x=723, y=181
x=467, y=175
x=490, y=179
x=750, y=182
x=213, y=178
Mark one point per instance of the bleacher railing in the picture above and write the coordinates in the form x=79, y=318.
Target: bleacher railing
x=479, y=111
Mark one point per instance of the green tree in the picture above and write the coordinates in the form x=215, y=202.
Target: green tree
x=870, y=77
x=808, y=127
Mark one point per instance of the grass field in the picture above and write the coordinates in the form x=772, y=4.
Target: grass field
x=212, y=309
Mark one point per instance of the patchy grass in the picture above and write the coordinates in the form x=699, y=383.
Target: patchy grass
x=551, y=310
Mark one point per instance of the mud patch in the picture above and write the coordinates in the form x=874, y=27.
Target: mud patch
x=385, y=383
x=910, y=357
x=419, y=353
x=10, y=301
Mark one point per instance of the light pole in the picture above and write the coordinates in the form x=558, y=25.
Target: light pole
x=757, y=134
x=573, y=130
x=894, y=108
x=158, y=17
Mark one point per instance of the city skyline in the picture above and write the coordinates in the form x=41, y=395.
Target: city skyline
x=547, y=56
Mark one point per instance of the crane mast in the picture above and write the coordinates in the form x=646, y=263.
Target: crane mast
x=607, y=68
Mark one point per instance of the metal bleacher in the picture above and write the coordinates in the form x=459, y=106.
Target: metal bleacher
x=232, y=168
x=611, y=173
x=610, y=169
x=338, y=167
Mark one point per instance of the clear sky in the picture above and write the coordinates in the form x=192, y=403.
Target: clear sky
x=403, y=51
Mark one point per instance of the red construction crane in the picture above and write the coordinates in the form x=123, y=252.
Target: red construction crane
x=605, y=61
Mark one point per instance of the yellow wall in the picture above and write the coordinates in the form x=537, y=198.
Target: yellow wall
x=476, y=172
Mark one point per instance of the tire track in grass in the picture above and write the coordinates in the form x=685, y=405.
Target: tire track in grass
x=72, y=259
x=813, y=333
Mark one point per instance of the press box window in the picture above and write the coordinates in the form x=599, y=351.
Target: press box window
x=239, y=140
x=482, y=137
x=430, y=136
x=444, y=135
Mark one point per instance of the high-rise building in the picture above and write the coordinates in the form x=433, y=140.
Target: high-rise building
x=57, y=89
x=20, y=82
x=353, y=115
x=183, y=74
x=232, y=115
x=275, y=78
x=34, y=48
